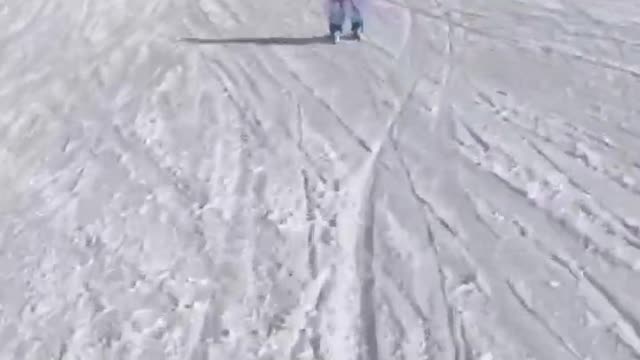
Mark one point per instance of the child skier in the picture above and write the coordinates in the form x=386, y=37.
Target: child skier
x=338, y=10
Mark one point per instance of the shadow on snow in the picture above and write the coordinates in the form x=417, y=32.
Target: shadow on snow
x=278, y=40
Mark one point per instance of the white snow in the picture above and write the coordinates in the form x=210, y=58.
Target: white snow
x=211, y=179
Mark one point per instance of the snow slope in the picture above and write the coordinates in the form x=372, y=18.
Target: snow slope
x=209, y=179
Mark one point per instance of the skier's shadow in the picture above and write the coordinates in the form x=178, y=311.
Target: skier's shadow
x=277, y=40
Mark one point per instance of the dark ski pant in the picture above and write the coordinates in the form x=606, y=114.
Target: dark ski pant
x=355, y=26
x=337, y=17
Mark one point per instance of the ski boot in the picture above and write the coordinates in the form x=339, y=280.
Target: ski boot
x=335, y=32
x=356, y=30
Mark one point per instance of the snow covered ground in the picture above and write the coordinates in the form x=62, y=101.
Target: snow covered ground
x=210, y=179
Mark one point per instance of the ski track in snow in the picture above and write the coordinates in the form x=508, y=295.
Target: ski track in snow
x=209, y=179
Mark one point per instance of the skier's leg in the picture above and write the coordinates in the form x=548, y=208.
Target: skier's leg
x=335, y=28
x=336, y=17
x=357, y=23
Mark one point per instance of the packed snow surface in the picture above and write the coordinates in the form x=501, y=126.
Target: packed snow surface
x=212, y=179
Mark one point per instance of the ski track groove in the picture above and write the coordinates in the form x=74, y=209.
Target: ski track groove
x=534, y=47
x=574, y=183
x=422, y=202
x=311, y=231
x=456, y=342
x=480, y=221
x=300, y=119
x=249, y=117
x=374, y=285
x=463, y=343
x=368, y=270
x=322, y=102
x=365, y=251
x=625, y=319
x=468, y=351
x=370, y=339
x=165, y=173
x=181, y=187
x=500, y=110
x=368, y=275
x=540, y=320
x=510, y=289
x=312, y=208
x=404, y=297
x=454, y=325
x=532, y=143
x=299, y=125
x=397, y=324
x=528, y=307
x=572, y=269
x=529, y=134
x=400, y=288
x=576, y=233
x=313, y=95
x=579, y=274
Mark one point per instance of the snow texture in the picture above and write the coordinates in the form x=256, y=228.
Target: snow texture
x=212, y=179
